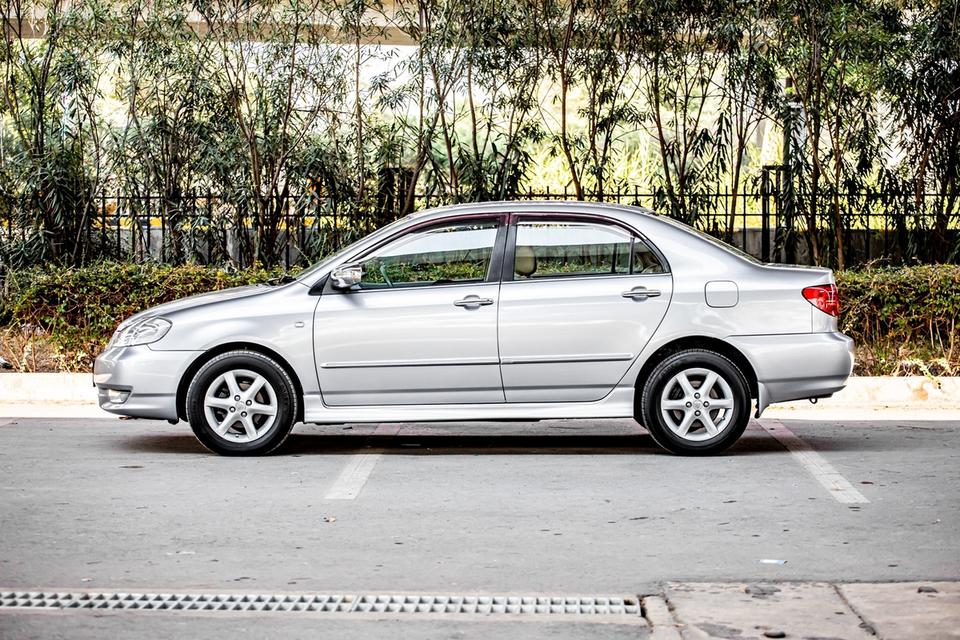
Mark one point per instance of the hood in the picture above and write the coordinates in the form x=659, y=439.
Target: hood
x=200, y=300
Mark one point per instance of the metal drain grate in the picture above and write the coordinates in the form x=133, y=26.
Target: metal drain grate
x=173, y=601
x=318, y=603
x=484, y=605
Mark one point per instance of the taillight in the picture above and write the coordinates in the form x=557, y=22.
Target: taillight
x=824, y=297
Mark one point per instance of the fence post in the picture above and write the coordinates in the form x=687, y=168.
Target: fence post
x=788, y=197
x=149, y=226
x=764, y=215
x=116, y=216
x=103, y=223
x=286, y=232
x=162, y=212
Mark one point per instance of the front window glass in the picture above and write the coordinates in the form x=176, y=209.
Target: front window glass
x=557, y=249
x=450, y=253
x=307, y=274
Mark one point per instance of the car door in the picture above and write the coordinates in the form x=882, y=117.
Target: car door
x=580, y=299
x=421, y=326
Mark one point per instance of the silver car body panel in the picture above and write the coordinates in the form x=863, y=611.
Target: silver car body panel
x=150, y=376
x=594, y=335
x=408, y=346
x=568, y=347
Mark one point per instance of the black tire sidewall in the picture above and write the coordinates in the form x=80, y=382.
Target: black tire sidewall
x=653, y=388
x=278, y=378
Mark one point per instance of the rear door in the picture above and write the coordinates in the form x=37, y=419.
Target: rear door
x=580, y=299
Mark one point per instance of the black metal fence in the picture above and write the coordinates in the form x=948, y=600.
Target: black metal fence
x=299, y=229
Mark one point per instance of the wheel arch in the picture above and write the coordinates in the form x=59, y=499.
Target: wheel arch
x=206, y=356
x=698, y=342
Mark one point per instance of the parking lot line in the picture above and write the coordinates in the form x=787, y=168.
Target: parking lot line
x=815, y=464
x=350, y=482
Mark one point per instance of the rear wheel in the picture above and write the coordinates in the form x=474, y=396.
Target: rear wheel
x=695, y=402
x=241, y=403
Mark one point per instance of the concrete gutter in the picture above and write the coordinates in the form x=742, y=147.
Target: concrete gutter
x=73, y=395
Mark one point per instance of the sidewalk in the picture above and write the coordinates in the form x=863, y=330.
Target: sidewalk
x=890, y=611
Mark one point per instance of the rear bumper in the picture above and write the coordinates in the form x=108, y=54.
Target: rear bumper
x=797, y=366
x=150, y=378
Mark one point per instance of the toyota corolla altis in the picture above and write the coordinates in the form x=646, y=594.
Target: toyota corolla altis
x=500, y=311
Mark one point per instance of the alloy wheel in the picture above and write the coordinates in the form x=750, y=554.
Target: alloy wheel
x=697, y=404
x=240, y=406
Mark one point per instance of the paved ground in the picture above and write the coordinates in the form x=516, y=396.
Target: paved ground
x=585, y=508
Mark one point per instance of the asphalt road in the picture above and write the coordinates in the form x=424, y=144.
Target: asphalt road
x=560, y=507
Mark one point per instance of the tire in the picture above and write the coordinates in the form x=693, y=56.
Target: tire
x=693, y=423
x=257, y=424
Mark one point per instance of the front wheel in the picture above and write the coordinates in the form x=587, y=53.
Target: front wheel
x=695, y=402
x=241, y=403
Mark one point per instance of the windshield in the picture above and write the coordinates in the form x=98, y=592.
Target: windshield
x=310, y=271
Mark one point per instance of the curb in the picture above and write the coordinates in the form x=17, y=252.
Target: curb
x=47, y=388
x=908, y=392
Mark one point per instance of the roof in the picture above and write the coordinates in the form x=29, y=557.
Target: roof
x=516, y=206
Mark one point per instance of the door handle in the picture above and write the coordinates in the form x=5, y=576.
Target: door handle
x=473, y=301
x=641, y=293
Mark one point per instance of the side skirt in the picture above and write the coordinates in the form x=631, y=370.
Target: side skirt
x=618, y=404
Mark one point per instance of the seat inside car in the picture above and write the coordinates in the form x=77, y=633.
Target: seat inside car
x=525, y=262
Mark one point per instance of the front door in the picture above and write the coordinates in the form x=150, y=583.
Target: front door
x=582, y=300
x=421, y=327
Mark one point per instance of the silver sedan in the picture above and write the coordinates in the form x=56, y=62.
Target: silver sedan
x=500, y=311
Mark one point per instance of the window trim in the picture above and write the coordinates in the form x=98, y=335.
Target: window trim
x=510, y=252
x=493, y=270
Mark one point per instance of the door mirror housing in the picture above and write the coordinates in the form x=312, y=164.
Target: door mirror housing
x=346, y=276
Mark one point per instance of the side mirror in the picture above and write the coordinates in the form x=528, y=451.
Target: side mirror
x=345, y=276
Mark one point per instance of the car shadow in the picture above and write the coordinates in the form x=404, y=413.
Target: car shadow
x=753, y=442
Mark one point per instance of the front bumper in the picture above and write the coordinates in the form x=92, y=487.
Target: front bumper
x=797, y=366
x=150, y=377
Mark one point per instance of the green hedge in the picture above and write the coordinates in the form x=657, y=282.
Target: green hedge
x=71, y=313
x=904, y=320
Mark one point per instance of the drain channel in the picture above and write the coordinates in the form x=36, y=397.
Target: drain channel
x=319, y=603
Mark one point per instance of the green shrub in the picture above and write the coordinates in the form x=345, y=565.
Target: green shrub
x=903, y=319
x=78, y=309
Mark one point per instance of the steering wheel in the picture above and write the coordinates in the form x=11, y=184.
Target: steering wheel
x=383, y=272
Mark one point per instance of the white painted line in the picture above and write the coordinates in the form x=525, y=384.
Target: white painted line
x=351, y=480
x=4, y=423
x=815, y=464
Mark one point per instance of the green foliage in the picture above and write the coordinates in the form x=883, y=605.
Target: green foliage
x=904, y=320
x=384, y=273
x=77, y=309
x=286, y=108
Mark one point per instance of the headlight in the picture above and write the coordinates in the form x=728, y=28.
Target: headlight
x=143, y=332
